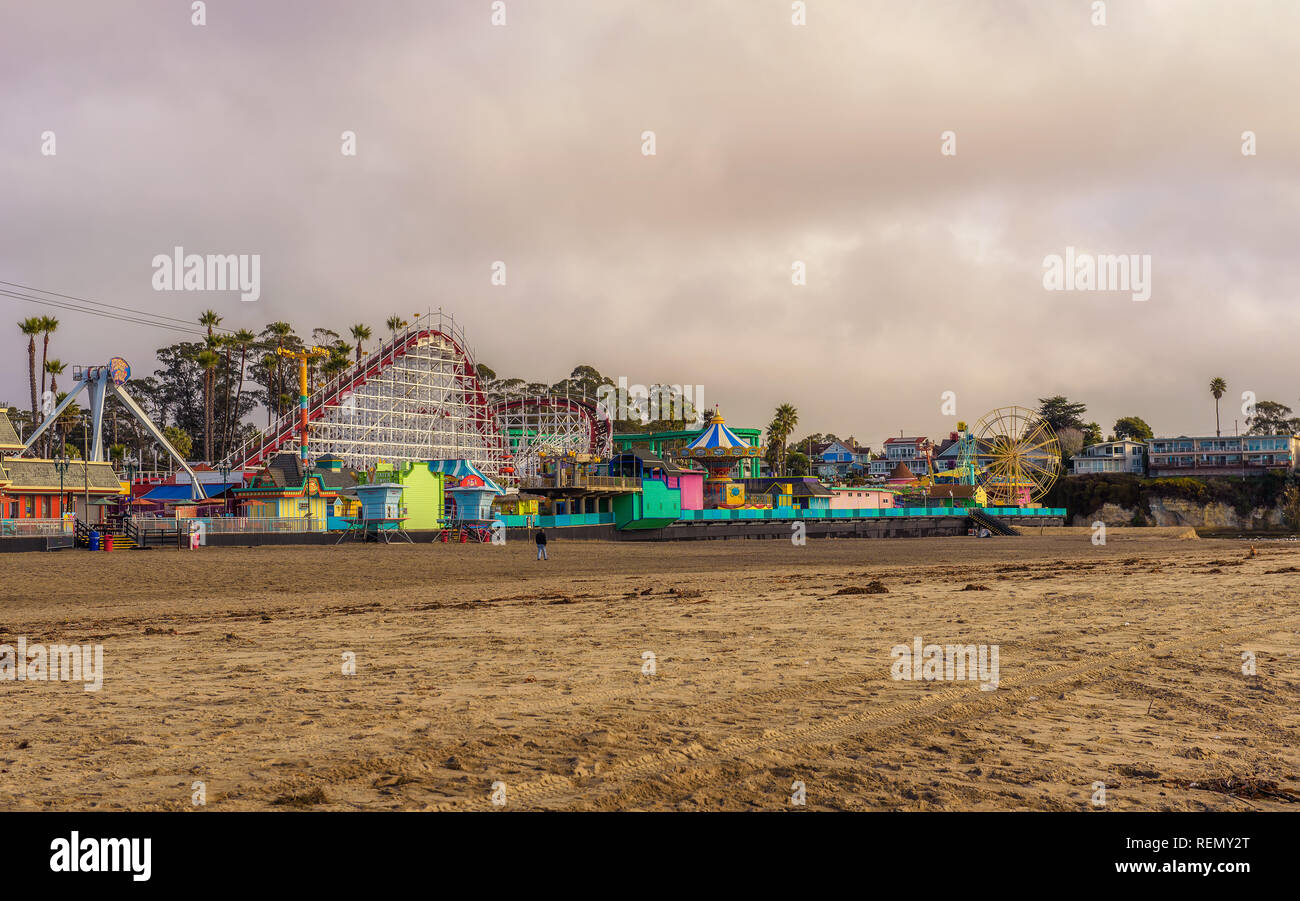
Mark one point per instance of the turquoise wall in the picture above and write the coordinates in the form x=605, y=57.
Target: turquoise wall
x=594, y=519
x=654, y=507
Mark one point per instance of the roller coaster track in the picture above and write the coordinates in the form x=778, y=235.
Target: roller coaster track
x=451, y=378
x=560, y=423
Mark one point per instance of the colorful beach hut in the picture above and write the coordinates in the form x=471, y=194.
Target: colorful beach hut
x=423, y=496
x=468, y=491
x=289, y=489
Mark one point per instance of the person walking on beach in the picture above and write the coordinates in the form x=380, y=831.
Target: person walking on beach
x=541, y=545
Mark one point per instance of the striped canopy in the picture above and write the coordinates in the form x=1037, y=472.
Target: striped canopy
x=717, y=435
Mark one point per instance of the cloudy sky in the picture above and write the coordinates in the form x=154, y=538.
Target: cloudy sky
x=775, y=143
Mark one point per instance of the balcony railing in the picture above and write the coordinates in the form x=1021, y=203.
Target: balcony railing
x=580, y=480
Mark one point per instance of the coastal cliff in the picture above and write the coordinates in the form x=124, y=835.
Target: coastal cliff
x=1269, y=503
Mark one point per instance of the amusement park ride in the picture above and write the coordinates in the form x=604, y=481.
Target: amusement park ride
x=418, y=397
x=718, y=450
x=100, y=382
x=1011, y=453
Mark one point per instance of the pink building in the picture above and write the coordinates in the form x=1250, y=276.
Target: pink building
x=691, y=483
x=861, y=498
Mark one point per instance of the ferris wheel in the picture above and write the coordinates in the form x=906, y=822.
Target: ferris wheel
x=1016, y=455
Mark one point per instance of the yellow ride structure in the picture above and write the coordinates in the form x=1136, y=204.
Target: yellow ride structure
x=1012, y=454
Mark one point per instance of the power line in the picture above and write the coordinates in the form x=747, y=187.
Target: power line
x=131, y=319
x=137, y=317
x=100, y=303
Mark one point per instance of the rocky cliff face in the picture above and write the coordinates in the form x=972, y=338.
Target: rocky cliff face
x=1171, y=511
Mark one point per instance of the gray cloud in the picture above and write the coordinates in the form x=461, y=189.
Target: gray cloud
x=775, y=143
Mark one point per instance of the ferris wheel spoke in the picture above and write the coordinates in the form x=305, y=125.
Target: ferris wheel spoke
x=1042, y=434
x=998, y=466
x=1043, y=478
x=1017, y=424
x=1040, y=428
x=1043, y=465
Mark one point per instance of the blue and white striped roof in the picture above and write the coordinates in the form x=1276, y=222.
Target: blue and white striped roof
x=717, y=435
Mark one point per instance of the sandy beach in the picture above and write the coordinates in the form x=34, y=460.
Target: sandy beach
x=478, y=666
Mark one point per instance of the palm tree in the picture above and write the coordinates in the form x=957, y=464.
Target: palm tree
x=772, y=455
x=210, y=320
x=1218, y=387
x=208, y=361
x=360, y=333
x=67, y=419
x=337, y=362
x=278, y=333
x=271, y=366
x=227, y=344
x=395, y=324
x=55, y=368
x=48, y=326
x=788, y=417
x=241, y=339
x=31, y=328
x=783, y=421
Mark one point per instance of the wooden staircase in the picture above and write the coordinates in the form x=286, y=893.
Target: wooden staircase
x=123, y=534
x=992, y=523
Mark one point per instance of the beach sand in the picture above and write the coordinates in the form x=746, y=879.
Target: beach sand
x=475, y=665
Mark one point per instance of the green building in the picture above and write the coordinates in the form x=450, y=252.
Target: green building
x=664, y=444
x=655, y=506
x=424, y=500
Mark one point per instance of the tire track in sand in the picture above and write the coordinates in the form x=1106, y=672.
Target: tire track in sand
x=930, y=712
x=923, y=711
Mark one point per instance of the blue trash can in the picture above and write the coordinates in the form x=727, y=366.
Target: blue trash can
x=94, y=540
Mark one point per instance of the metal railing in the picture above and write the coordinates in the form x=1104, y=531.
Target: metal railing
x=581, y=480
x=217, y=525
x=26, y=528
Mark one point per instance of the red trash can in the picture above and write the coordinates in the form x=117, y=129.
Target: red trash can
x=108, y=541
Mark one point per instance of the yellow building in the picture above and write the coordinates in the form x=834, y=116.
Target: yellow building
x=286, y=490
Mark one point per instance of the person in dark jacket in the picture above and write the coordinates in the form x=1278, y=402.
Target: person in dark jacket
x=541, y=545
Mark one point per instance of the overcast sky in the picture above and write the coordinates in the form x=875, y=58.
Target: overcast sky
x=775, y=143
